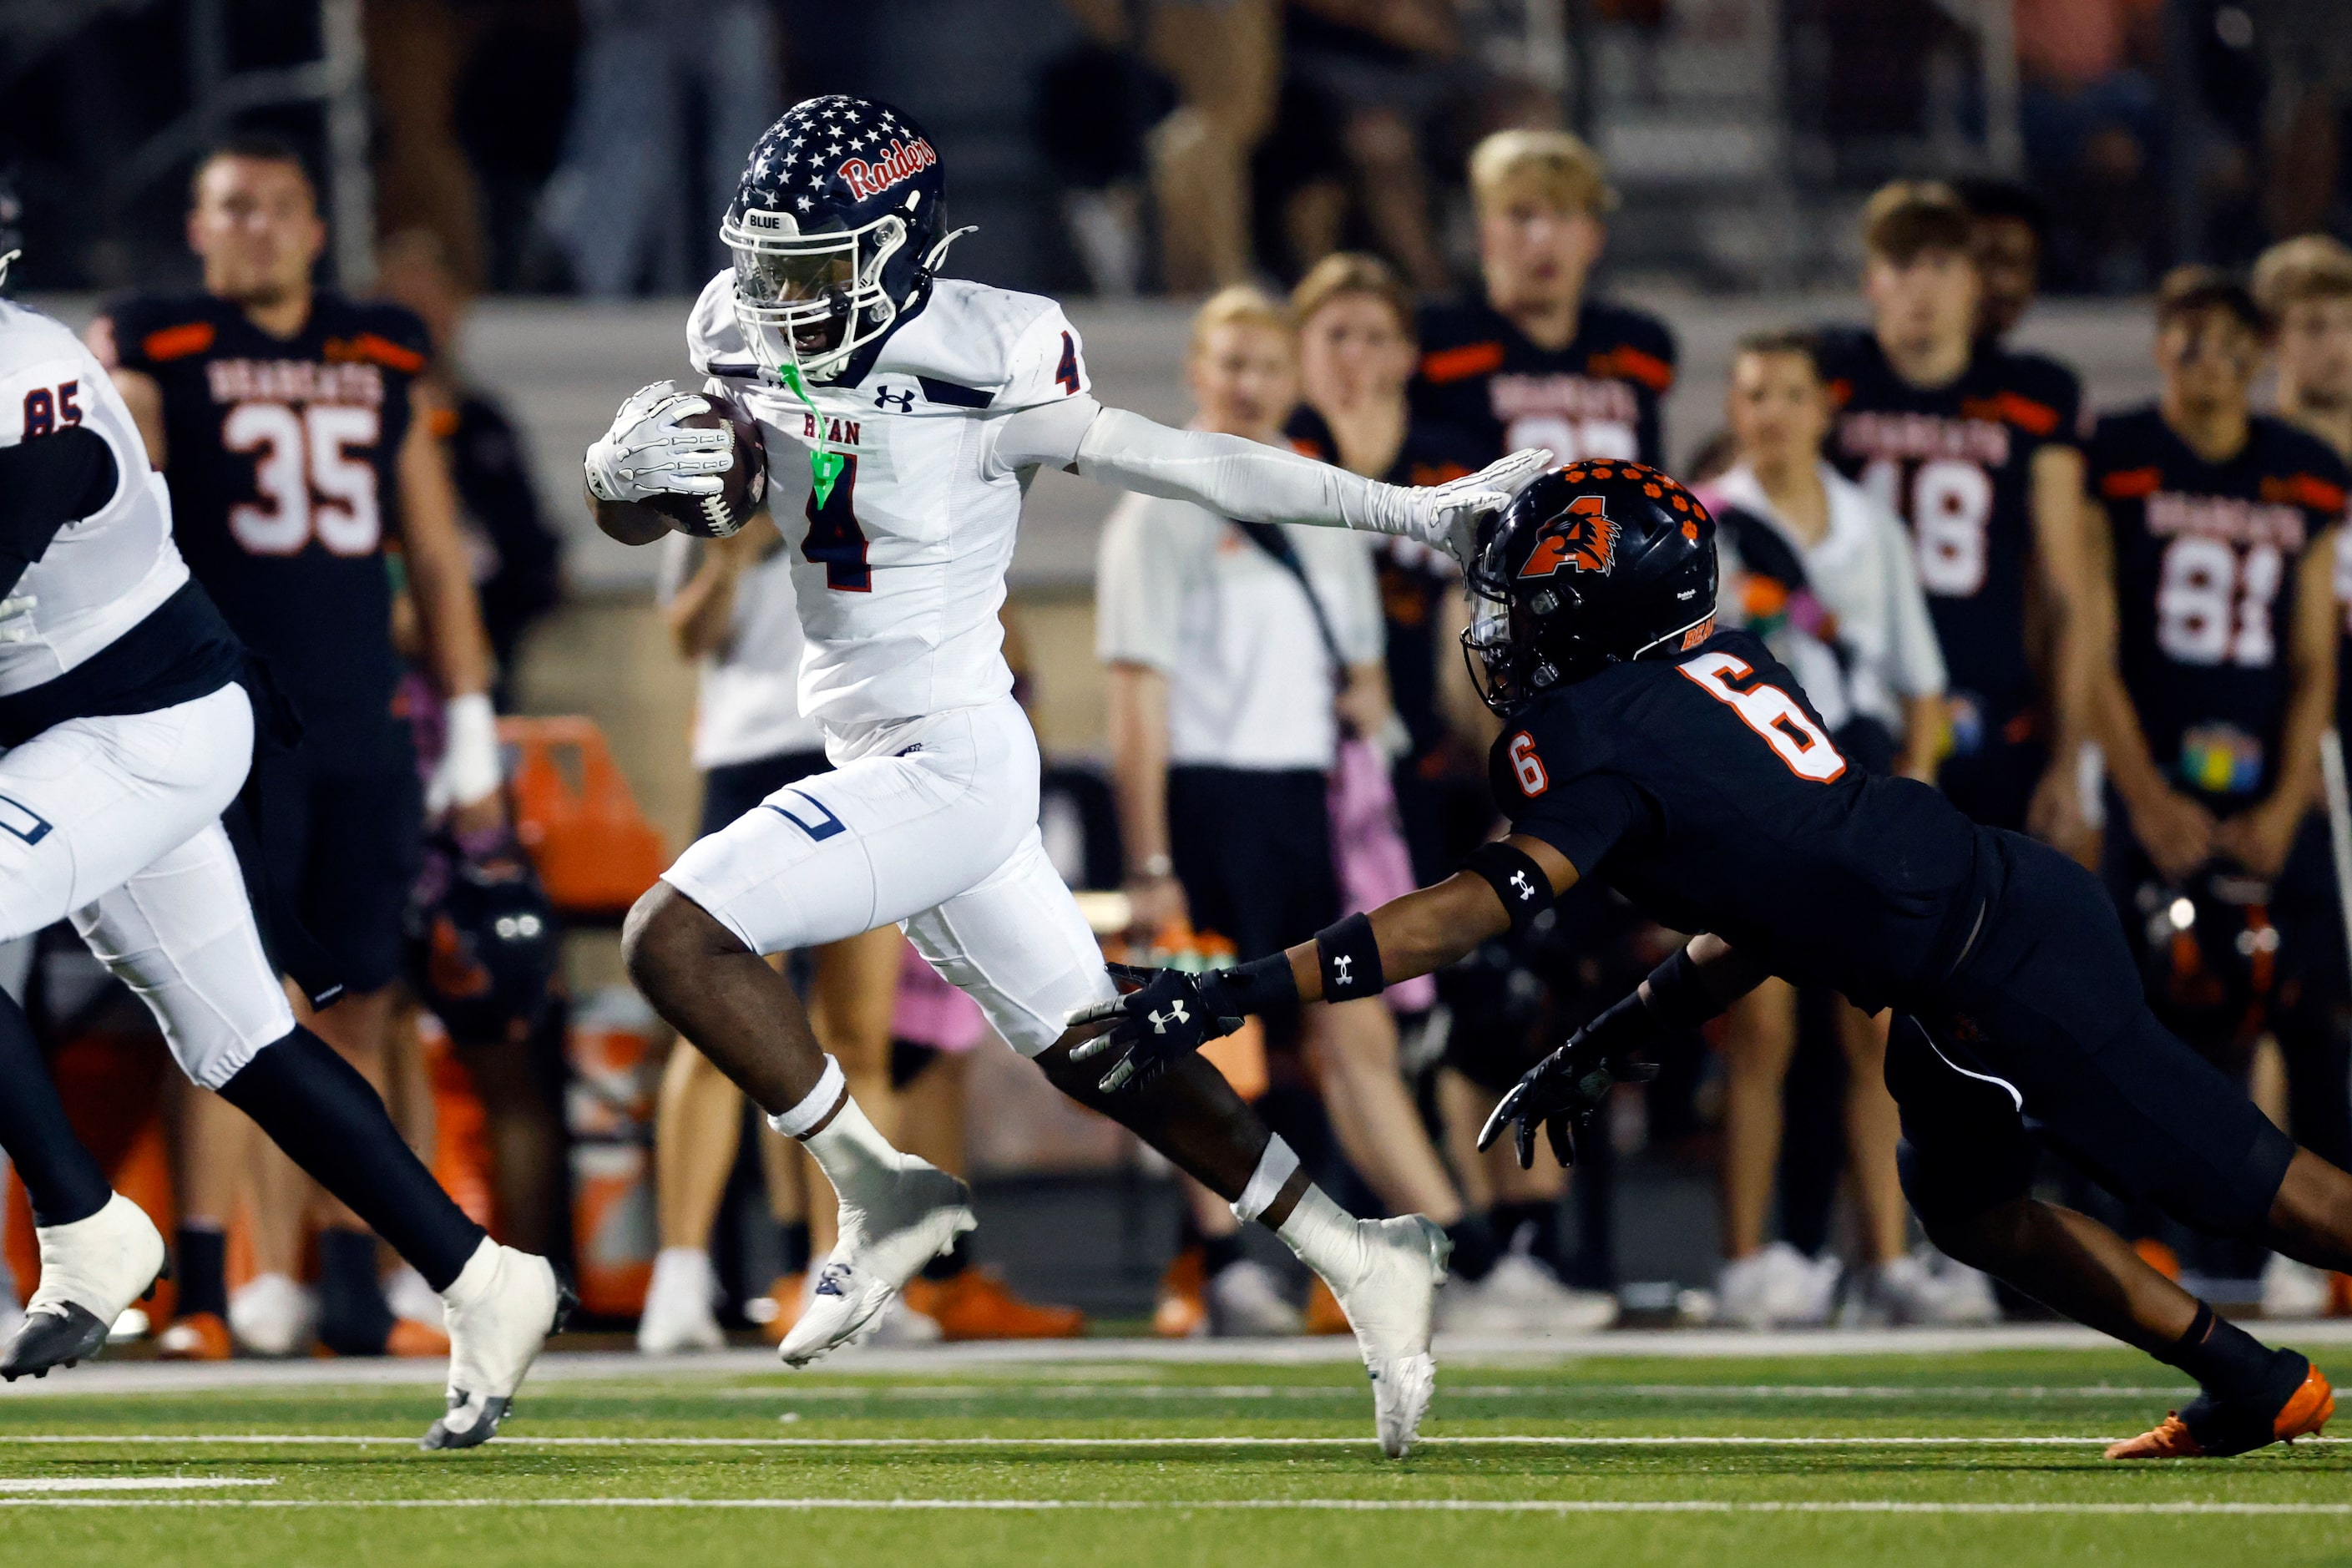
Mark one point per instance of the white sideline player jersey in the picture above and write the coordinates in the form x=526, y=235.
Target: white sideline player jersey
x=900, y=574
x=105, y=574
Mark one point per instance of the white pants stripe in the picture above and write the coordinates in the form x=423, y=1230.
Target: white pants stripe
x=931, y=824
x=116, y=823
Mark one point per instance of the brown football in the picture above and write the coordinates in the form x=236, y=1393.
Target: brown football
x=743, y=487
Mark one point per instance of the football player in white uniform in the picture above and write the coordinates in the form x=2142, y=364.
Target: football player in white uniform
x=128, y=719
x=903, y=415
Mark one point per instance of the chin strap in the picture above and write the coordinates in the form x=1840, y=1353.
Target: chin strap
x=939, y=252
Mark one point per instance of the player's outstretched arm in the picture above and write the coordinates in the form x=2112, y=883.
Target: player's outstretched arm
x=1170, y=1013
x=1252, y=482
x=1566, y=1091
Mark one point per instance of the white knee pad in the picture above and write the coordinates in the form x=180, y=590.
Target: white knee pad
x=181, y=935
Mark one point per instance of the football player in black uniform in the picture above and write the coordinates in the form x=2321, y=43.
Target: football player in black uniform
x=1538, y=360
x=1684, y=767
x=286, y=422
x=1974, y=448
x=2211, y=700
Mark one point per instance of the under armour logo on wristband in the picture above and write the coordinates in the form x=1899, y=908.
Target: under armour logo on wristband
x=1526, y=889
x=1344, y=962
x=1175, y=1015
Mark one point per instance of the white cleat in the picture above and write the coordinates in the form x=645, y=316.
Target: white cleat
x=677, y=1317
x=886, y=1239
x=501, y=1313
x=1391, y=1301
x=272, y=1315
x=92, y=1270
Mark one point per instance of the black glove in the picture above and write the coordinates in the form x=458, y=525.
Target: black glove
x=1567, y=1090
x=1172, y=1013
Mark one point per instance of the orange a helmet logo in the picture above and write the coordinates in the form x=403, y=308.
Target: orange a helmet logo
x=1582, y=538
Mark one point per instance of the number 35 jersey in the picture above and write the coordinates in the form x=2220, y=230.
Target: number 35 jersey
x=1705, y=790
x=2205, y=561
x=898, y=568
x=282, y=455
x=1955, y=463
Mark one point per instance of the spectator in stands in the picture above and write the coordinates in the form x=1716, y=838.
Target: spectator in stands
x=2092, y=122
x=517, y=557
x=1824, y=574
x=623, y=206
x=1224, y=57
x=1240, y=659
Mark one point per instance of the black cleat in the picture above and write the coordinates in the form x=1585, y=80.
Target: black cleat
x=62, y=1334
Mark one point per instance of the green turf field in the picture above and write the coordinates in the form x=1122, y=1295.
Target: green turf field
x=1989, y=1458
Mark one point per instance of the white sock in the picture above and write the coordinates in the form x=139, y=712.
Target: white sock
x=477, y=1278
x=1325, y=1236
x=831, y=1088
x=853, y=1157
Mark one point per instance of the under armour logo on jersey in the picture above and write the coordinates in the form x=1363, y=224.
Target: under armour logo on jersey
x=1527, y=888
x=1175, y=1015
x=884, y=398
x=1340, y=966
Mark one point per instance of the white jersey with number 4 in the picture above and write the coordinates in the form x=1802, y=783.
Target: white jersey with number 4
x=900, y=572
x=103, y=573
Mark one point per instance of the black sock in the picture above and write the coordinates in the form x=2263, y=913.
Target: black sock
x=951, y=1263
x=61, y=1177
x=1219, y=1253
x=201, y=1261
x=1535, y=1219
x=316, y=1107
x=792, y=1239
x=1475, y=1247
x=353, y=1317
x=2228, y=1363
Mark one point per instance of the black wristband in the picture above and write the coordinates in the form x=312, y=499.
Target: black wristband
x=1350, y=960
x=1678, y=997
x=1263, y=984
x=1516, y=880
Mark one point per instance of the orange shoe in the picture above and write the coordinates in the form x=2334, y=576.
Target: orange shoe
x=1323, y=1315
x=413, y=1340
x=1181, y=1311
x=786, y=1293
x=199, y=1336
x=2158, y=1257
x=976, y=1305
x=2226, y=1432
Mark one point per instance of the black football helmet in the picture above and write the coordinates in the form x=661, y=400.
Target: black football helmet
x=1595, y=564
x=836, y=228
x=483, y=943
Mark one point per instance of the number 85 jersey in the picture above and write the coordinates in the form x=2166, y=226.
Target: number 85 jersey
x=2205, y=557
x=1705, y=790
x=898, y=567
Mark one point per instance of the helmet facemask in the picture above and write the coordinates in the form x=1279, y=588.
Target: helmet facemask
x=812, y=300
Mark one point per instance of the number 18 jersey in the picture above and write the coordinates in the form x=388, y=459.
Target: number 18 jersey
x=1706, y=789
x=282, y=455
x=898, y=568
x=2205, y=561
x=1954, y=464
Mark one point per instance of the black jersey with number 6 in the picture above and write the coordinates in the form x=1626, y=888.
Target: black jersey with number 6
x=282, y=455
x=2206, y=557
x=1954, y=464
x=1705, y=790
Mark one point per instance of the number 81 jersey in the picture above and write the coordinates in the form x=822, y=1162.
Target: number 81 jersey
x=2206, y=557
x=1955, y=463
x=282, y=456
x=899, y=565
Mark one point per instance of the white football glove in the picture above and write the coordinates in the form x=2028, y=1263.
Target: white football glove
x=1447, y=516
x=648, y=453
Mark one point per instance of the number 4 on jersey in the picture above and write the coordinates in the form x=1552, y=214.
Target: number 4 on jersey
x=834, y=540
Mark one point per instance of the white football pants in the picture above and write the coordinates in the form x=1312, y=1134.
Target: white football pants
x=928, y=823
x=116, y=822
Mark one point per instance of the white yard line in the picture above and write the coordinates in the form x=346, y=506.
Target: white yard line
x=1482, y=1440
x=1050, y=1357
x=1343, y=1505
x=1349, y=1391
x=129, y=1483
